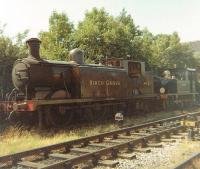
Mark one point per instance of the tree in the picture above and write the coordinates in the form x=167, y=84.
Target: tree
x=143, y=47
x=9, y=52
x=90, y=34
x=167, y=51
x=20, y=43
x=128, y=38
x=100, y=34
x=180, y=56
x=56, y=42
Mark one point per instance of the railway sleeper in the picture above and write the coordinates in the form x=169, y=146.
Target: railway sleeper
x=177, y=136
x=183, y=133
x=142, y=150
x=31, y=164
x=155, y=145
x=140, y=134
x=62, y=156
x=128, y=156
x=156, y=139
x=168, y=140
x=126, y=137
x=108, y=163
x=115, y=141
x=100, y=145
x=82, y=150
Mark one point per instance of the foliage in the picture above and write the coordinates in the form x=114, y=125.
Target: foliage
x=10, y=51
x=169, y=52
x=143, y=47
x=165, y=51
x=197, y=55
x=195, y=46
x=92, y=34
x=102, y=35
x=56, y=42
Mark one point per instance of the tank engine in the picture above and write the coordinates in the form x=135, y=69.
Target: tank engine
x=44, y=84
x=46, y=87
x=42, y=79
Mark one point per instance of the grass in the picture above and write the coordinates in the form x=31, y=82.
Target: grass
x=15, y=139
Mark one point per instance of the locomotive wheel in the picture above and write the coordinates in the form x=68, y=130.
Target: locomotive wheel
x=55, y=118
x=93, y=114
x=101, y=115
x=88, y=115
x=57, y=115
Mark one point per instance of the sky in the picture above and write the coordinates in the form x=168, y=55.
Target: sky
x=158, y=16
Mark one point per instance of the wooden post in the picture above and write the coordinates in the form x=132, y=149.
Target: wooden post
x=163, y=97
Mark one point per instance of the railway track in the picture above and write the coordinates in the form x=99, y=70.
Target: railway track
x=191, y=163
x=99, y=149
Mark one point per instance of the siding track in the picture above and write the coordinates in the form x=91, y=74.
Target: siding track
x=99, y=149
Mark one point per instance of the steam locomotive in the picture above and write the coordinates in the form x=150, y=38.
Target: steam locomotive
x=57, y=91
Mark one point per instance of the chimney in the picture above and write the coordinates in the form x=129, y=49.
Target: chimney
x=34, y=47
x=77, y=56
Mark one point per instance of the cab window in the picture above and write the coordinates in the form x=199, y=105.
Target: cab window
x=134, y=69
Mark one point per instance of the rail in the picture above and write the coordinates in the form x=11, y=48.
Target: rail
x=193, y=162
x=105, y=143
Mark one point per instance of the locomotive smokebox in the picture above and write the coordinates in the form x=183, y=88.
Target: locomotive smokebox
x=34, y=47
x=77, y=56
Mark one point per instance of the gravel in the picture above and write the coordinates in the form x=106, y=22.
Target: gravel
x=166, y=157
x=170, y=155
x=159, y=157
